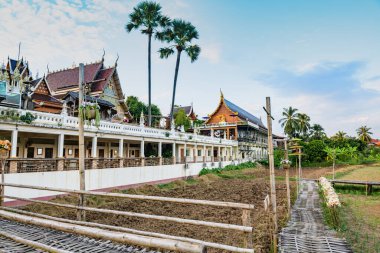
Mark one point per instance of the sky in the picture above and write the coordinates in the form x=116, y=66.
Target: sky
x=321, y=57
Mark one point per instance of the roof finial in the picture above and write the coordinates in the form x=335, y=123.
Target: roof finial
x=116, y=60
x=221, y=94
x=104, y=53
x=19, y=48
x=47, y=67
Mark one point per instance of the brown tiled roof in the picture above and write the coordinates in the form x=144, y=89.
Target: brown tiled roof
x=47, y=98
x=103, y=77
x=70, y=77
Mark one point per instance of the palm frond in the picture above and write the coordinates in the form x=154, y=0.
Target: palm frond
x=165, y=52
x=193, y=52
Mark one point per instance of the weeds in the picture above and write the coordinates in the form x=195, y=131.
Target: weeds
x=218, y=171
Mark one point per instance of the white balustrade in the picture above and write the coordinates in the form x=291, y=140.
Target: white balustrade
x=67, y=122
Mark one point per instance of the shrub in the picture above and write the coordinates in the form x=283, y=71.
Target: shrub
x=241, y=166
x=28, y=118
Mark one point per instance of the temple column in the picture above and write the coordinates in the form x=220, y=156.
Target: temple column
x=173, y=153
x=196, y=152
x=212, y=154
x=204, y=153
x=13, y=164
x=160, y=153
x=94, y=152
x=60, y=162
x=121, y=153
x=219, y=154
x=184, y=151
x=142, y=152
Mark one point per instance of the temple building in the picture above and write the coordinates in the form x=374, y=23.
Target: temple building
x=231, y=122
x=103, y=84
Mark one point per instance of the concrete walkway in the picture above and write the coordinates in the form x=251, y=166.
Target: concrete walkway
x=306, y=231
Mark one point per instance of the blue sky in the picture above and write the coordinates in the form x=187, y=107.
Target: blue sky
x=322, y=57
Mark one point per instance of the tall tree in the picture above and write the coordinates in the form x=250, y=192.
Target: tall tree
x=340, y=135
x=290, y=121
x=136, y=107
x=364, y=133
x=180, y=34
x=304, y=123
x=317, y=132
x=147, y=17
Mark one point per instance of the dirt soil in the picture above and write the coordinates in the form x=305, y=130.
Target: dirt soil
x=245, y=186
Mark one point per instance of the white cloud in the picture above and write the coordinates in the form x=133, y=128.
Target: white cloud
x=212, y=53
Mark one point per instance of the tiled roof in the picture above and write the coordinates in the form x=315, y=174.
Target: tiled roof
x=47, y=98
x=92, y=99
x=187, y=109
x=103, y=76
x=70, y=77
x=35, y=82
x=243, y=114
x=13, y=64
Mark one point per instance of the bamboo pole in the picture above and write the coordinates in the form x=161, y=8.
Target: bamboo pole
x=287, y=176
x=2, y=190
x=32, y=244
x=272, y=176
x=145, y=216
x=141, y=197
x=246, y=221
x=81, y=215
x=102, y=234
x=134, y=231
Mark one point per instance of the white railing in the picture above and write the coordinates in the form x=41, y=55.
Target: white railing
x=61, y=121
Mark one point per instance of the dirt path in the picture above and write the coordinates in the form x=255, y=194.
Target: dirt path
x=306, y=231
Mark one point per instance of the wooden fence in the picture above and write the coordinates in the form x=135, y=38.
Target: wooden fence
x=246, y=227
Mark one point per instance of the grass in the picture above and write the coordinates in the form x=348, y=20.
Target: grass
x=364, y=174
x=218, y=171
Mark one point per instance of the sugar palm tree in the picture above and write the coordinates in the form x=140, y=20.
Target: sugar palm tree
x=290, y=121
x=304, y=123
x=180, y=34
x=340, y=135
x=317, y=132
x=147, y=17
x=364, y=133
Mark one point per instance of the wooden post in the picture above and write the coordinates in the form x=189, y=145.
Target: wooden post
x=287, y=166
x=246, y=221
x=2, y=160
x=272, y=177
x=81, y=215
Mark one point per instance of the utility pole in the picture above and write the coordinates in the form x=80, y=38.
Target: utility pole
x=81, y=214
x=286, y=167
x=271, y=170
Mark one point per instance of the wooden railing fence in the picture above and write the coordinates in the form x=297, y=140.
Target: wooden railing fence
x=246, y=227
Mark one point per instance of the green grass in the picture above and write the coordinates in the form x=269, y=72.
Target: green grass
x=218, y=171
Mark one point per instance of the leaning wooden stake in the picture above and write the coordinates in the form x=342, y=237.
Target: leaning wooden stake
x=272, y=177
x=246, y=218
x=81, y=214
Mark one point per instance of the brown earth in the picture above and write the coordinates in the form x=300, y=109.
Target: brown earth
x=245, y=186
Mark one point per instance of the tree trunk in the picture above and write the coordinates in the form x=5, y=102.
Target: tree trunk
x=175, y=85
x=149, y=81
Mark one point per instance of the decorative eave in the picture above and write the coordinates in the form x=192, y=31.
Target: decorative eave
x=221, y=102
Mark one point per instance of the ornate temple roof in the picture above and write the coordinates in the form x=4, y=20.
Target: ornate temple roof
x=243, y=114
x=92, y=99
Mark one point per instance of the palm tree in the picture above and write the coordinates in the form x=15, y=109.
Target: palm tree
x=340, y=135
x=180, y=33
x=364, y=134
x=304, y=123
x=317, y=132
x=290, y=121
x=147, y=17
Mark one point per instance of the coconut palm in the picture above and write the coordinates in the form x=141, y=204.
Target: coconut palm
x=147, y=17
x=340, y=135
x=290, y=121
x=304, y=123
x=317, y=132
x=364, y=133
x=180, y=34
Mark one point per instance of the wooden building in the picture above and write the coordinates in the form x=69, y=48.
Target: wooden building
x=232, y=122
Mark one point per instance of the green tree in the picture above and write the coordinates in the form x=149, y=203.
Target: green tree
x=340, y=135
x=317, y=132
x=136, y=107
x=147, y=17
x=314, y=151
x=290, y=121
x=332, y=154
x=364, y=133
x=303, y=123
x=180, y=34
x=180, y=119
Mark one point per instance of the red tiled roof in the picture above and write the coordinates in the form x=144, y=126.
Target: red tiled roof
x=70, y=77
x=103, y=76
